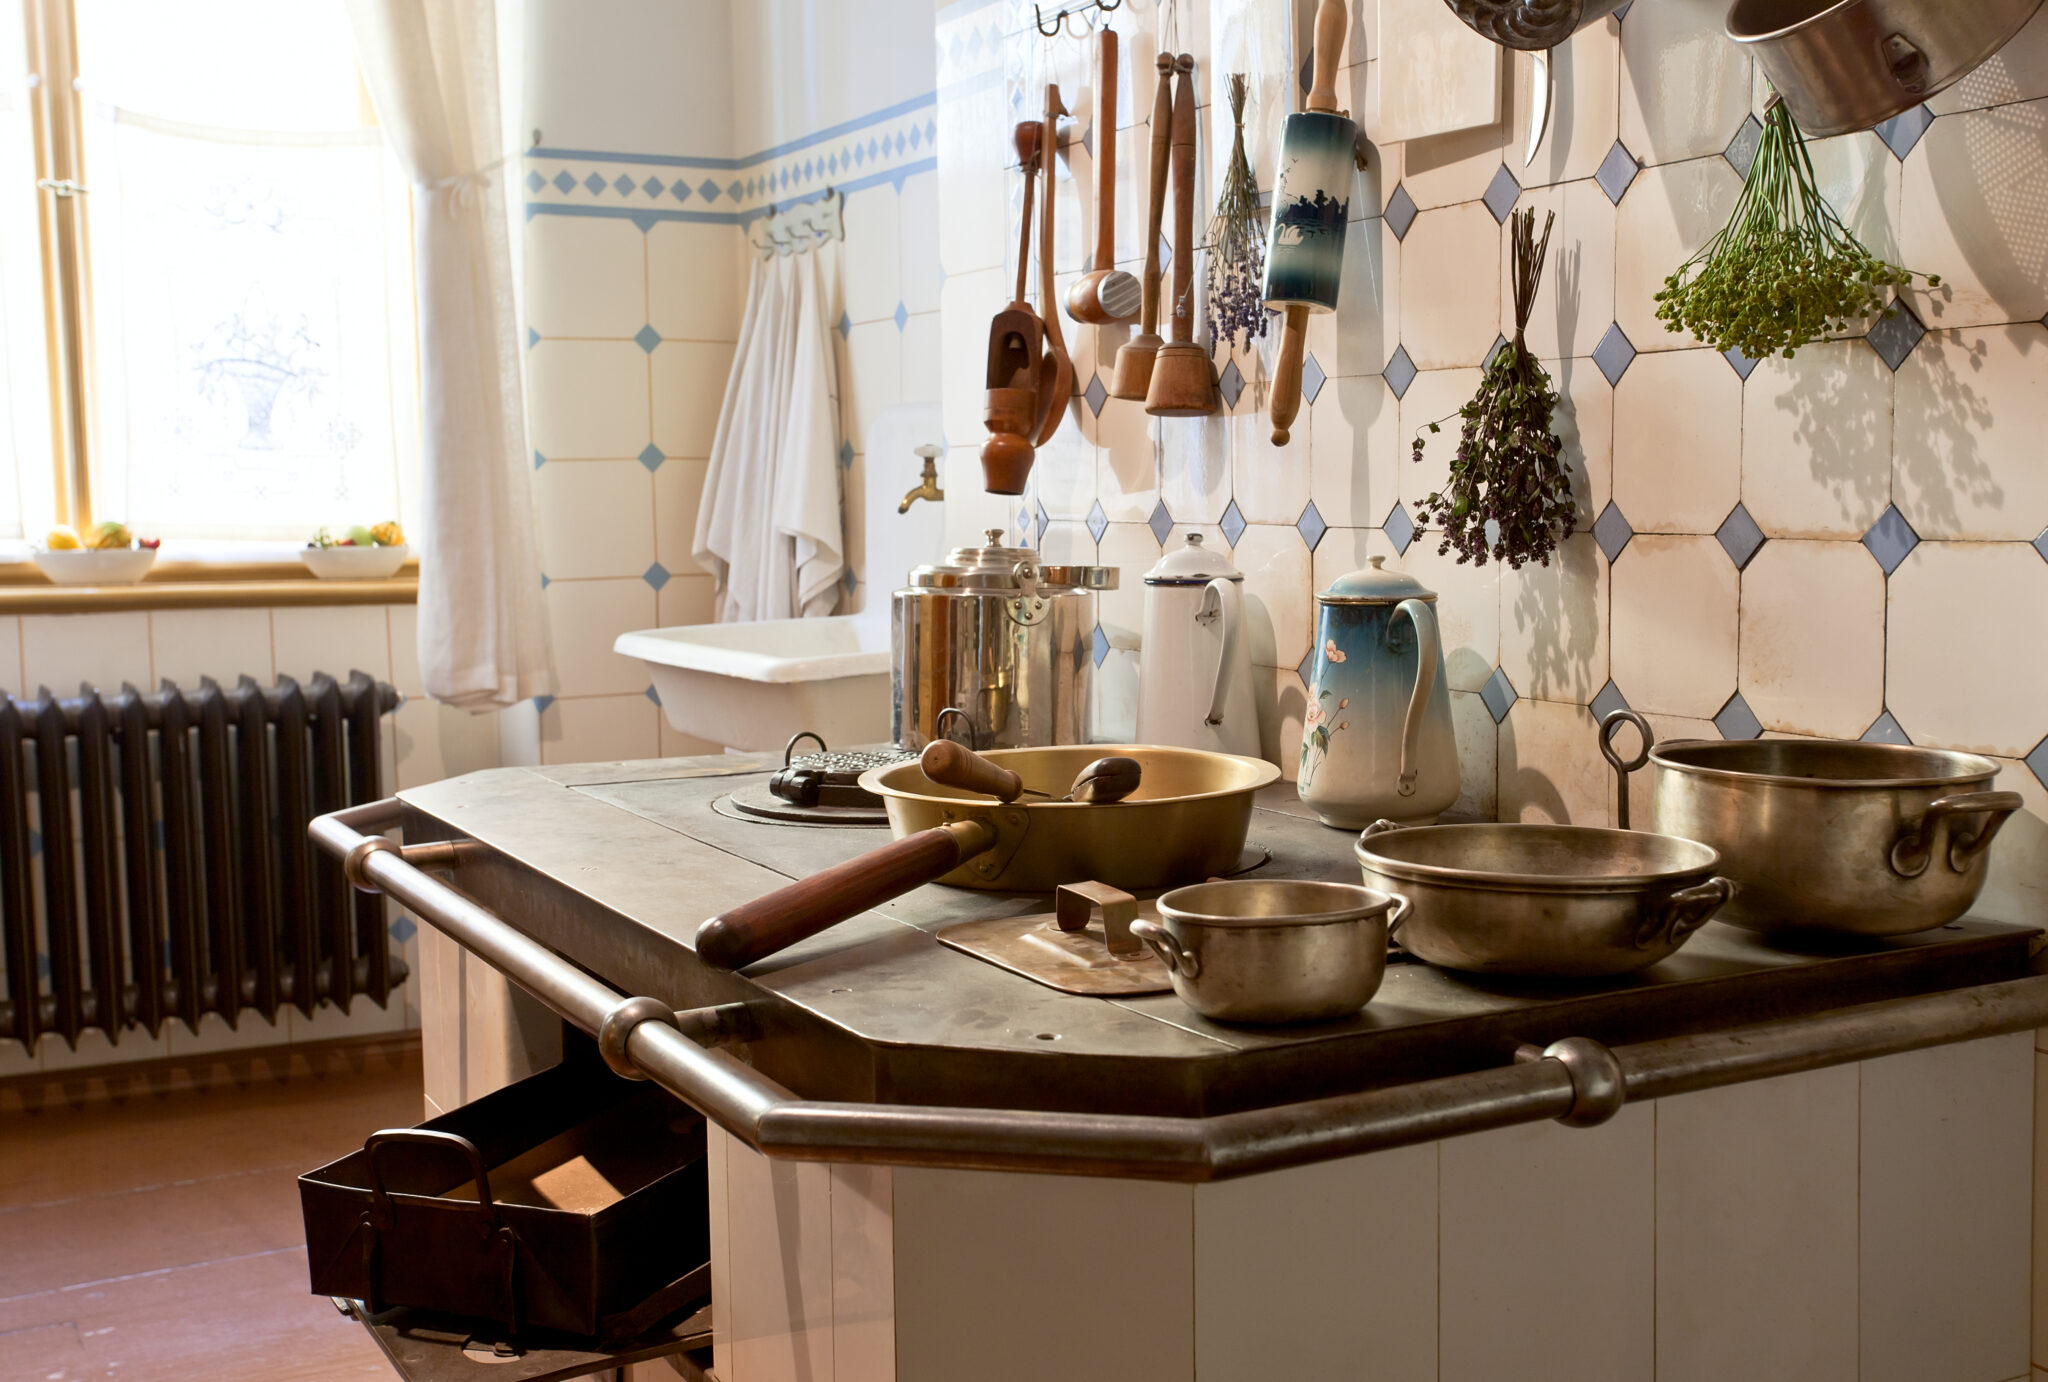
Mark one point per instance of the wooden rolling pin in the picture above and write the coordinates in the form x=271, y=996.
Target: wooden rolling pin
x=1305, y=244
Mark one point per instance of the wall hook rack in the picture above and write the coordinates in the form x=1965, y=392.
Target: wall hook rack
x=1067, y=14
x=802, y=225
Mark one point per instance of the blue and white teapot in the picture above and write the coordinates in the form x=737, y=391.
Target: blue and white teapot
x=1377, y=741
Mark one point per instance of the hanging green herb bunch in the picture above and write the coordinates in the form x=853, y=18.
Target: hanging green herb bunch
x=1237, y=244
x=1509, y=471
x=1784, y=270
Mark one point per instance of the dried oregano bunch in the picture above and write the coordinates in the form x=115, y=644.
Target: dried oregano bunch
x=1509, y=470
x=1237, y=244
x=1784, y=270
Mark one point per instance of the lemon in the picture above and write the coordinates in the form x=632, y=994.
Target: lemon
x=111, y=536
x=62, y=538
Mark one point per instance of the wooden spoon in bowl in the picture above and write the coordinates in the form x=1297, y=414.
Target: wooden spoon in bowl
x=1104, y=781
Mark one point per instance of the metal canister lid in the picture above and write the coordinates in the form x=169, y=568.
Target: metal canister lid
x=996, y=567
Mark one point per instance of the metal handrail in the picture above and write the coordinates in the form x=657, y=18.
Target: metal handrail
x=1576, y=1081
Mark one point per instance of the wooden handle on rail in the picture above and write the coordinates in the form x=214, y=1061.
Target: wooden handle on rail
x=1184, y=201
x=755, y=930
x=1286, y=397
x=1105, y=153
x=954, y=765
x=1331, y=23
x=1162, y=146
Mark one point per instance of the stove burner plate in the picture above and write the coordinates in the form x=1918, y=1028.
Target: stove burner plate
x=757, y=803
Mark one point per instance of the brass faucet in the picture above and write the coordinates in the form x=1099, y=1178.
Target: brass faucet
x=928, y=488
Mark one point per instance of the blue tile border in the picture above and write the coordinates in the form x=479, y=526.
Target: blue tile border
x=647, y=216
x=815, y=137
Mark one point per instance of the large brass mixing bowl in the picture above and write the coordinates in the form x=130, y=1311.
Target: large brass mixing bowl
x=1186, y=822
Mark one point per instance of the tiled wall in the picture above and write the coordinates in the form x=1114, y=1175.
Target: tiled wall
x=1849, y=543
x=423, y=742
x=636, y=267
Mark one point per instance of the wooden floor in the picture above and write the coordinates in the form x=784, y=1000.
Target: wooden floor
x=157, y=1236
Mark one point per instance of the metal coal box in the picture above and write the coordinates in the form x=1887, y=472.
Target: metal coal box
x=562, y=1202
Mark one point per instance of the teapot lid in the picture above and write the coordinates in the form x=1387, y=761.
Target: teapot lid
x=1375, y=586
x=1193, y=564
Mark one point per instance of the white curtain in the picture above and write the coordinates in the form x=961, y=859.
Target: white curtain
x=433, y=71
x=770, y=525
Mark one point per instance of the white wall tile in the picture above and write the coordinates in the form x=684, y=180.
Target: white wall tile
x=966, y=303
x=1435, y=396
x=1684, y=86
x=1478, y=759
x=1678, y=470
x=1757, y=1223
x=1962, y=216
x=1355, y=450
x=1553, y=623
x=404, y=626
x=678, y=492
x=2016, y=72
x=437, y=741
x=1112, y=1260
x=2016, y=885
x=1674, y=624
x=872, y=255
x=1944, y=1251
x=335, y=639
x=917, y=246
x=692, y=292
x=1327, y=1271
x=187, y=644
x=1548, y=1254
x=1584, y=423
x=1550, y=768
x=1981, y=606
x=1812, y=642
x=923, y=365
x=594, y=518
x=1971, y=415
x=1817, y=441
x=589, y=398
x=1575, y=297
x=1278, y=596
x=689, y=385
x=1270, y=483
x=1467, y=609
x=585, y=276
x=61, y=651
x=1585, y=109
x=1668, y=214
x=1194, y=467
x=1361, y=334
x=586, y=617
x=1450, y=287
x=1283, y=705
x=600, y=729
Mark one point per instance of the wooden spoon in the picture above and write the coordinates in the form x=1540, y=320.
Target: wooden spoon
x=1104, y=781
x=1133, y=375
x=1056, y=371
x=1105, y=293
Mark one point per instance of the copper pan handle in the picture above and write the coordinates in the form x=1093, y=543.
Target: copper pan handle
x=755, y=930
x=1623, y=767
x=952, y=765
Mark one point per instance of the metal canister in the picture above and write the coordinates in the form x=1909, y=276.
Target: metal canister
x=1002, y=638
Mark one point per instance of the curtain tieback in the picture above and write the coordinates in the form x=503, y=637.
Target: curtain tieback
x=462, y=188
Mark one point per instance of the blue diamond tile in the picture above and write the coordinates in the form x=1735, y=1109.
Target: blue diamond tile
x=534, y=182
x=1608, y=701
x=1737, y=720
x=643, y=221
x=1312, y=380
x=1614, y=353
x=1230, y=384
x=595, y=183
x=1886, y=730
x=1903, y=131
x=1739, y=536
x=563, y=182
x=1502, y=194
x=541, y=704
x=1401, y=211
x=1895, y=334
x=622, y=184
x=1311, y=526
x=845, y=326
x=1500, y=343
x=1101, y=648
x=1399, y=528
x=902, y=315
x=404, y=929
x=655, y=575
x=708, y=190
x=545, y=582
x=1622, y=13
x=1161, y=522
x=846, y=453
x=1617, y=171
x=1307, y=73
x=1499, y=695
x=652, y=694
x=647, y=338
x=1891, y=539
x=652, y=457
x=849, y=580
x=652, y=187
x=2041, y=545
x=2038, y=761
x=1044, y=522
x=539, y=460
x=1741, y=150
x=1098, y=521
x=1307, y=670
x=1740, y=363
x=1233, y=524
x=1612, y=531
x=1095, y=394
x=680, y=190
x=1400, y=372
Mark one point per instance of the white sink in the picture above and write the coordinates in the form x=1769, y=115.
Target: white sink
x=752, y=685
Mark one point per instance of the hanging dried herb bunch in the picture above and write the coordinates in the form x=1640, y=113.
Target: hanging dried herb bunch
x=1237, y=244
x=1509, y=471
x=1784, y=270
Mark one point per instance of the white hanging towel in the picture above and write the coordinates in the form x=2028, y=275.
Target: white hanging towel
x=769, y=526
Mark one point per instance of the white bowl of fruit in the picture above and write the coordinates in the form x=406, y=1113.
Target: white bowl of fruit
x=107, y=555
x=360, y=554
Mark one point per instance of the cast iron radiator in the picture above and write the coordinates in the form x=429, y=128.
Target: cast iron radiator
x=154, y=861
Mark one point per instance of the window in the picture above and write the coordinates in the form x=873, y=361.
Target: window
x=225, y=270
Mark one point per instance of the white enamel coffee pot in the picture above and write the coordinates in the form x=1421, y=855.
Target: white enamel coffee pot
x=1195, y=669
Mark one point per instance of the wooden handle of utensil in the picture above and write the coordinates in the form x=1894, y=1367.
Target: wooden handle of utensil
x=1331, y=22
x=1285, y=400
x=1184, y=201
x=955, y=765
x=1048, y=307
x=755, y=930
x=1105, y=152
x=1027, y=137
x=1162, y=145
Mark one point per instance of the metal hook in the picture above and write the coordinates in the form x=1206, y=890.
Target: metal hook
x=1066, y=14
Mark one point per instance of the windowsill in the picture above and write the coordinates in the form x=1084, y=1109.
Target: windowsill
x=200, y=576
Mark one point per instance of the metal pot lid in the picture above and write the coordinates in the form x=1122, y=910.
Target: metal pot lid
x=1375, y=586
x=1193, y=564
x=996, y=567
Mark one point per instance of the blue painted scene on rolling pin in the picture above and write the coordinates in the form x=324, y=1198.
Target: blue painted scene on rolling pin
x=1305, y=254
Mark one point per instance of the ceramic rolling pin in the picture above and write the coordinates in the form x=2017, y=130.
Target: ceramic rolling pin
x=1133, y=374
x=1183, y=382
x=1105, y=293
x=1305, y=243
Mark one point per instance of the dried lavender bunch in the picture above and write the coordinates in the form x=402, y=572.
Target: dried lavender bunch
x=1509, y=470
x=1237, y=244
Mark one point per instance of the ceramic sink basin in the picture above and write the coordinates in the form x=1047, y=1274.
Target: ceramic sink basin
x=753, y=685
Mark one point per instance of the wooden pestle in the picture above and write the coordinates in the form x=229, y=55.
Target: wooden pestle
x=1183, y=381
x=1133, y=374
